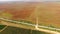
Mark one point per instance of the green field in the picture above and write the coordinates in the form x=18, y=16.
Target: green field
x=13, y=30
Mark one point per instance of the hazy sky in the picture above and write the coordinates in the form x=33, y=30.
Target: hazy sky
x=30, y=0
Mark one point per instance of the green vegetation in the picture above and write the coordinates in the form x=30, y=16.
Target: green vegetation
x=25, y=21
x=51, y=29
x=21, y=31
x=2, y=26
x=6, y=15
x=38, y=32
x=14, y=30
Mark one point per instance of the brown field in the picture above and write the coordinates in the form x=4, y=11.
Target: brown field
x=48, y=13
x=19, y=10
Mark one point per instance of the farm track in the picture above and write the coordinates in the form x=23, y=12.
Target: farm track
x=28, y=26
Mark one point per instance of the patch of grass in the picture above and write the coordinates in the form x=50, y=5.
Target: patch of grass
x=6, y=15
x=2, y=26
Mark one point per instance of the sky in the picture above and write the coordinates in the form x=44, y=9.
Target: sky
x=29, y=0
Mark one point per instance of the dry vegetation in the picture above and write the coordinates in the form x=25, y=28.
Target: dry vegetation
x=48, y=13
x=18, y=10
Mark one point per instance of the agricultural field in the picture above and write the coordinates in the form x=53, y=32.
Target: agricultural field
x=14, y=30
x=48, y=13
